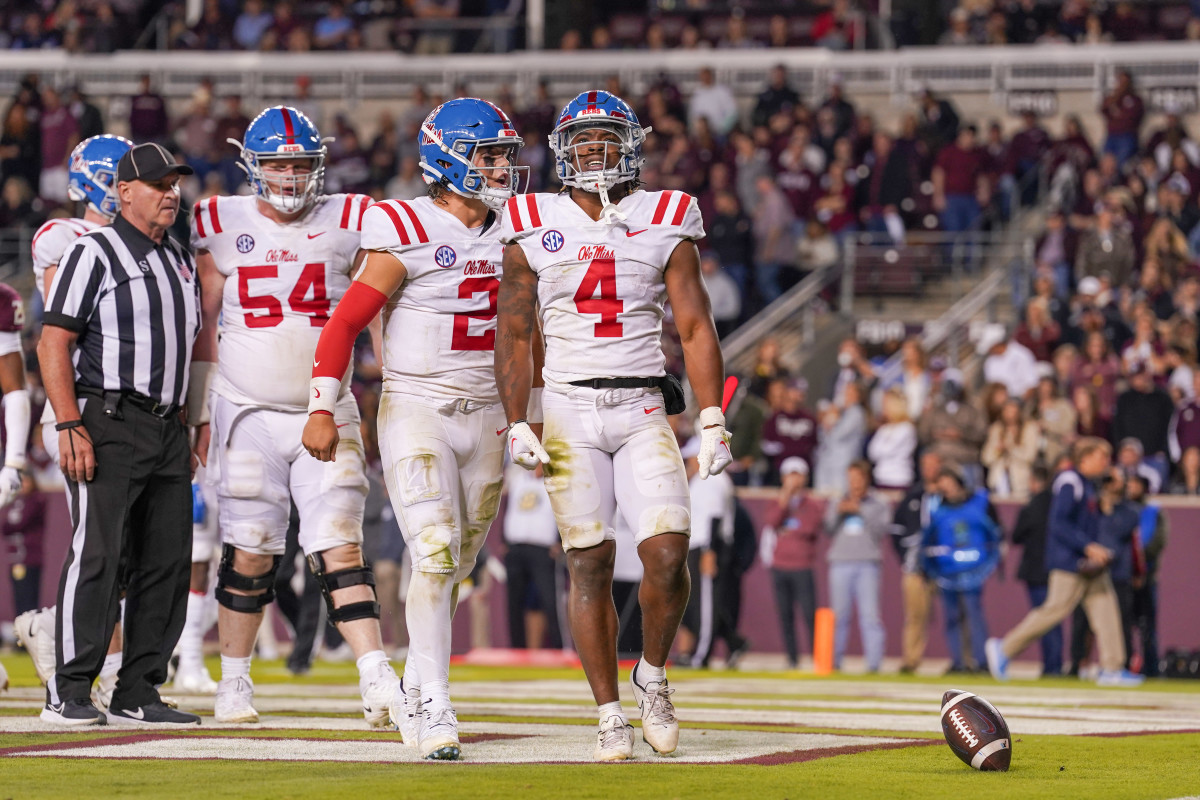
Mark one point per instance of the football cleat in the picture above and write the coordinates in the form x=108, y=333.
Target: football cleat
x=3, y=679
x=660, y=728
x=997, y=662
x=404, y=713
x=377, y=693
x=614, y=741
x=189, y=680
x=35, y=632
x=437, y=736
x=1120, y=678
x=235, y=701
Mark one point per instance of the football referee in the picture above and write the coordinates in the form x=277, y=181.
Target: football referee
x=115, y=353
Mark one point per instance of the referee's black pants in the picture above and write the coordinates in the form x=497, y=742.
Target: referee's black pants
x=139, y=504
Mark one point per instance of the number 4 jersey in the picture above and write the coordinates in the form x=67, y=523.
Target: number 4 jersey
x=600, y=285
x=439, y=329
x=281, y=283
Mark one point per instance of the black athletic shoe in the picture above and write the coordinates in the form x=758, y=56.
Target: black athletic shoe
x=152, y=715
x=74, y=713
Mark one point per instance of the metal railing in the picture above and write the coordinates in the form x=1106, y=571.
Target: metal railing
x=357, y=76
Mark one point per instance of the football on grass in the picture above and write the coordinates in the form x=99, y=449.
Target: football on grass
x=975, y=731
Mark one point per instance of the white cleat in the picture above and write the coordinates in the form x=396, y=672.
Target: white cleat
x=404, y=712
x=3, y=679
x=102, y=692
x=614, y=742
x=438, y=734
x=35, y=632
x=194, y=681
x=660, y=728
x=235, y=701
x=378, y=689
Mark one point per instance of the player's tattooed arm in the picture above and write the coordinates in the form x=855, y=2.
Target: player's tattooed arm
x=516, y=329
x=693, y=318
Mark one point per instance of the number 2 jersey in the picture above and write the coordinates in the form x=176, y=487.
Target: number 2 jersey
x=439, y=329
x=282, y=282
x=600, y=285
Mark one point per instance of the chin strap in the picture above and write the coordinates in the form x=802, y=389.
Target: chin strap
x=609, y=213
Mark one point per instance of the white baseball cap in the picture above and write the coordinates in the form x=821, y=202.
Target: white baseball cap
x=793, y=464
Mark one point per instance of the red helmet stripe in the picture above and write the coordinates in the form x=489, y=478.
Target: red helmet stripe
x=288, y=129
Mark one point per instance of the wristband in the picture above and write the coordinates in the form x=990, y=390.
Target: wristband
x=711, y=416
x=534, y=410
x=514, y=424
x=323, y=394
x=321, y=411
x=71, y=423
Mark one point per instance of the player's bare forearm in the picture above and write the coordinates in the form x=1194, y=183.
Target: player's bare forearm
x=515, y=324
x=12, y=372
x=58, y=373
x=693, y=318
x=212, y=289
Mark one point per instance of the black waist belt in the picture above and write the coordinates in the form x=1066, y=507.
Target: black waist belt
x=115, y=400
x=620, y=383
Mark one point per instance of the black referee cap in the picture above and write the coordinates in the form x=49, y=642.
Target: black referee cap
x=149, y=162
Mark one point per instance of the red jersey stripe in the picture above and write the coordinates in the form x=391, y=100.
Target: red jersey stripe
x=660, y=210
x=362, y=210
x=212, y=215
x=422, y=237
x=199, y=217
x=535, y=219
x=514, y=214
x=390, y=210
x=685, y=200
x=345, y=223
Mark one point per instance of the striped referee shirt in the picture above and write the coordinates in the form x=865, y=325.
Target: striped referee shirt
x=136, y=308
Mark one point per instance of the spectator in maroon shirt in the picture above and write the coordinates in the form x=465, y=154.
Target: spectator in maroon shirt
x=1125, y=23
x=1185, y=424
x=23, y=527
x=788, y=548
x=790, y=430
x=1038, y=331
x=1025, y=152
x=959, y=178
x=891, y=181
x=59, y=135
x=1123, y=111
x=148, y=115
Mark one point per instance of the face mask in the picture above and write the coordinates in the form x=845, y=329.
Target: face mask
x=845, y=359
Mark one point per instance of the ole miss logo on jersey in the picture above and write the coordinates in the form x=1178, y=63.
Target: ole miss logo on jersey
x=445, y=256
x=553, y=241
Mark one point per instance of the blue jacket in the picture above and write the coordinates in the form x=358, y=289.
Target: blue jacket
x=1116, y=533
x=961, y=543
x=1074, y=520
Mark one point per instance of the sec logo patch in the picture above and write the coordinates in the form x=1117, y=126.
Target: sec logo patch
x=245, y=243
x=552, y=241
x=445, y=256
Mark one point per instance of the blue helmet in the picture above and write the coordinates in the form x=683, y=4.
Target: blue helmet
x=449, y=138
x=92, y=172
x=590, y=110
x=277, y=133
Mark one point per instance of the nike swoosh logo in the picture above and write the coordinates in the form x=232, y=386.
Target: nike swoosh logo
x=58, y=709
x=650, y=410
x=315, y=235
x=635, y=233
x=344, y=424
x=514, y=441
x=501, y=431
x=316, y=394
x=135, y=713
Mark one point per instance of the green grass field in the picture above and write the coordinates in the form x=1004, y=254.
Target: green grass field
x=1070, y=741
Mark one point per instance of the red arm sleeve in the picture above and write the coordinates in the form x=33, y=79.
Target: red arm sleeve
x=358, y=307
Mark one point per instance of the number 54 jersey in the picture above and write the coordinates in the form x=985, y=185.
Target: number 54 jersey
x=439, y=329
x=600, y=285
x=282, y=282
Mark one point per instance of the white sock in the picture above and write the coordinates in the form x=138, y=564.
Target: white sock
x=368, y=661
x=235, y=667
x=428, y=615
x=112, y=665
x=191, y=641
x=648, y=674
x=612, y=709
x=436, y=692
x=412, y=683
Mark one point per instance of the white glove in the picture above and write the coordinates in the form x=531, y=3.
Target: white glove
x=524, y=447
x=714, y=443
x=10, y=485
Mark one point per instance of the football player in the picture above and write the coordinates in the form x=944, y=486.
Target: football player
x=434, y=264
x=273, y=265
x=91, y=180
x=593, y=266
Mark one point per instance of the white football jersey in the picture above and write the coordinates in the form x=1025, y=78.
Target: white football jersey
x=439, y=329
x=51, y=241
x=282, y=283
x=600, y=285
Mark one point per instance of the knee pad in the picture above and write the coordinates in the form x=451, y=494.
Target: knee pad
x=667, y=518
x=433, y=550
x=330, y=582
x=227, y=578
x=244, y=474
